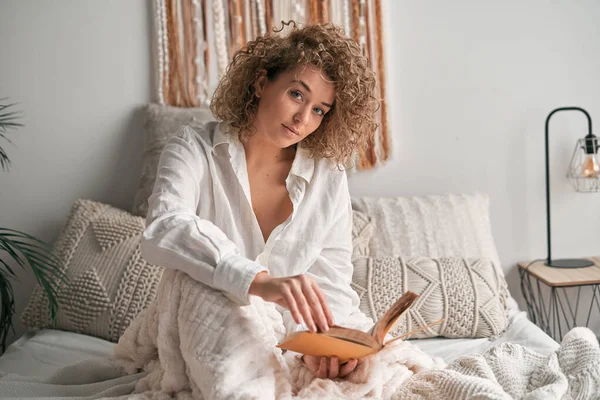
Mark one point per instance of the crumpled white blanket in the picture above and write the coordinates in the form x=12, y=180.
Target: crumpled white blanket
x=195, y=343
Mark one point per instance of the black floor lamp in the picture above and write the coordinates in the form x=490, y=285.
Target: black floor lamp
x=584, y=174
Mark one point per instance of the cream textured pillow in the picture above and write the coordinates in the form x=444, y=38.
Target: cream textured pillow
x=362, y=232
x=450, y=225
x=109, y=282
x=466, y=293
x=161, y=123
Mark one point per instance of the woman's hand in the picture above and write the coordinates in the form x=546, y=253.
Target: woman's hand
x=299, y=294
x=328, y=367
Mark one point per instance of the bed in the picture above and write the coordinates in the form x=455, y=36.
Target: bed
x=32, y=366
x=41, y=353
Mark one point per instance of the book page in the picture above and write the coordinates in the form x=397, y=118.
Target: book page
x=392, y=315
x=419, y=329
x=352, y=335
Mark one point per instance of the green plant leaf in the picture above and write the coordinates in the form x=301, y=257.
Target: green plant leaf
x=8, y=120
x=8, y=268
x=27, y=251
x=7, y=309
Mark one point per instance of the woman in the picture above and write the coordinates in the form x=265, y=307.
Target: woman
x=258, y=204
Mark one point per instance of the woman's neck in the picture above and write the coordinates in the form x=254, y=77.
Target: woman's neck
x=260, y=152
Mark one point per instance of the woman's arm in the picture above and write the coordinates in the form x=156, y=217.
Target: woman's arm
x=175, y=237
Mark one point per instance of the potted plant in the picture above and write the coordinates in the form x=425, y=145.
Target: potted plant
x=20, y=249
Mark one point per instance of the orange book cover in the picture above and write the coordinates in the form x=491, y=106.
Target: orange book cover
x=346, y=343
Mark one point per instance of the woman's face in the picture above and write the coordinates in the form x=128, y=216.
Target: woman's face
x=292, y=105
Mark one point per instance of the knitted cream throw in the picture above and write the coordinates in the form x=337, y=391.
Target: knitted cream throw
x=194, y=343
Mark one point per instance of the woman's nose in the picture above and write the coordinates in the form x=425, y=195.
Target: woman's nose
x=302, y=115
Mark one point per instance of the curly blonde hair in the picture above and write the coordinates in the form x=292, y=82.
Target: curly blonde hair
x=347, y=128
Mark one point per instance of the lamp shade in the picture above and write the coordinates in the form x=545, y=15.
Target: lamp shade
x=584, y=168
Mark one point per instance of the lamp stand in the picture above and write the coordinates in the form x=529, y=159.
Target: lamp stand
x=569, y=262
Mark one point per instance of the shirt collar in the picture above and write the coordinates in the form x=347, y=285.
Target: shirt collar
x=303, y=165
x=220, y=138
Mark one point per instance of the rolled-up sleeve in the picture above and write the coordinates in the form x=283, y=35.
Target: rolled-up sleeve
x=176, y=237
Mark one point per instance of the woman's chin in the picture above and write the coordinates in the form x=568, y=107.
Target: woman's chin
x=284, y=143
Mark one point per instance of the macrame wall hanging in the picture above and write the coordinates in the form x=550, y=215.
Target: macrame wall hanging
x=196, y=39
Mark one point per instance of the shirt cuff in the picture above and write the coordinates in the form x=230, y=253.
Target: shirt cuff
x=234, y=274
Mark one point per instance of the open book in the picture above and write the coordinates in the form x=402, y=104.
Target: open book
x=346, y=343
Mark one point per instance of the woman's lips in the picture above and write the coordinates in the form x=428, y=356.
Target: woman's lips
x=294, y=131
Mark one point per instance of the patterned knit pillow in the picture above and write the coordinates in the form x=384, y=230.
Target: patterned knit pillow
x=467, y=293
x=362, y=232
x=161, y=123
x=108, y=281
x=434, y=226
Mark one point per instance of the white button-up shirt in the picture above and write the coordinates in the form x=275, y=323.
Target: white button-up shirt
x=201, y=221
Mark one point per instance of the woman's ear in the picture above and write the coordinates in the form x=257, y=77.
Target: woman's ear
x=261, y=81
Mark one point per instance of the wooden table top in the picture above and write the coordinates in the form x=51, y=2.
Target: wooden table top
x=565, y=276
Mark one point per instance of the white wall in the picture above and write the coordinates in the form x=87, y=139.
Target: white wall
x=79, y=70
x=470, y=84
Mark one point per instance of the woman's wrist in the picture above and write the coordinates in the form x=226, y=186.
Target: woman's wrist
x=258, y=280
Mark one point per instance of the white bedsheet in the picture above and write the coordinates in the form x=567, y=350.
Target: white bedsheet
x=41, y=353
x=521, y=331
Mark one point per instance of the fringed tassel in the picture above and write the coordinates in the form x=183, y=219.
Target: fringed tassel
x=269, y=15
x=189, y=42
x=160, y=50
x=165, y=51
x=220, y=36
x=384, y=134
x=314, y=11
x=174, y=64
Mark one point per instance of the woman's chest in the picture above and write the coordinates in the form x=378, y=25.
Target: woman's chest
x=270, y=200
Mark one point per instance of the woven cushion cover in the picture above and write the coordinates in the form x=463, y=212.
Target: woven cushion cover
x=109, y=282
x=467, y=293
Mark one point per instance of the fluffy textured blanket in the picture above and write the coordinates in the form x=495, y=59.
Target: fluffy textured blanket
x=195, y=343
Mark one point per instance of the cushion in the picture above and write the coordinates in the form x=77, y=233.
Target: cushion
x=109, y=283
x=452, y=225
x=362, y=232
x=467, y=293
x=435, y=226
x=161, y=122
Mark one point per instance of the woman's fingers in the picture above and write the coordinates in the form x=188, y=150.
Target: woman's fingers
x=347, y=368
x=323, y=303
x=291, y=305
x=329, y=367
x=308, y=288
x=323, y=364
x=334, y=367
x=303, y=297
x=304, y=307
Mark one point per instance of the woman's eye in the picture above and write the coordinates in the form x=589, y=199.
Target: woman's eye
x=296, y=94
x=319, y=111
